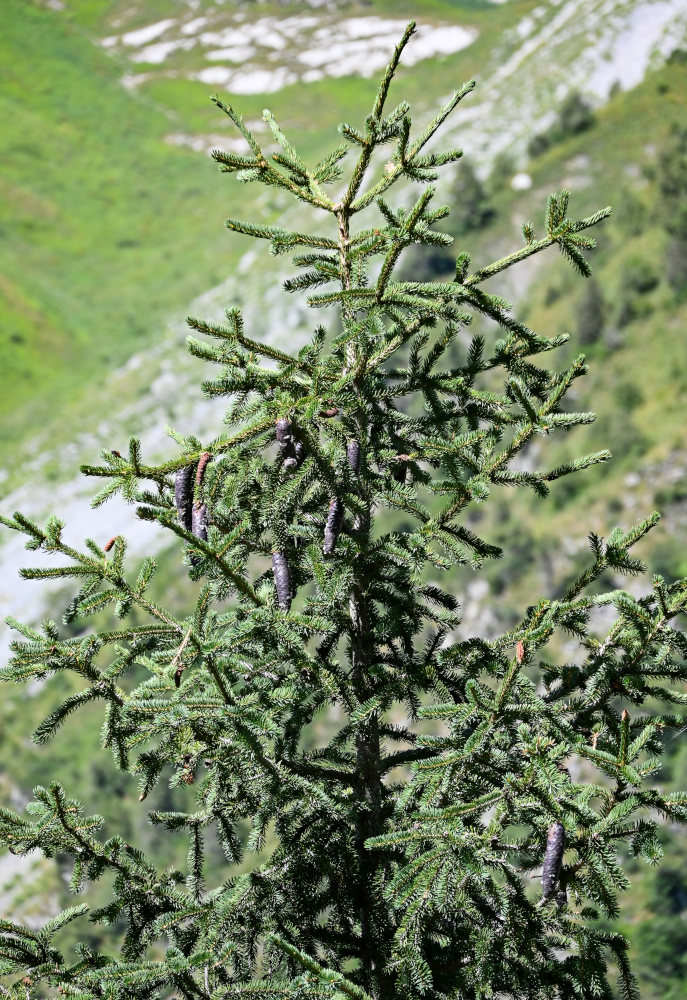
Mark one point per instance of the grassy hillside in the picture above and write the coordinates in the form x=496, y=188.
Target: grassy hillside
x=104, y=228
x=637, y=385
x=107, y=229
x=638, y=364
x=110, y=226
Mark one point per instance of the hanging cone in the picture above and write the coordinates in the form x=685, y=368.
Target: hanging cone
x=293, y=451
x=199, y=521
x=296, y=457
x=183, y=494
x=555, y=846
x=332, y=527
x=199, y=513
x=284, y=432
x=282, y=580
x=353, y=456
x=203, y=461
x=399, y=468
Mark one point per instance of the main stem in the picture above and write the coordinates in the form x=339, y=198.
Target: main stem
x=374, y=928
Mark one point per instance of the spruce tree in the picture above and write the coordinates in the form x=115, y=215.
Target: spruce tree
x=590, y=313
x=470, y=206
x=395, y=860
x=672, y=208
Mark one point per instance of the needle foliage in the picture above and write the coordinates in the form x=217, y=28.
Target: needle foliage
x=396, y=856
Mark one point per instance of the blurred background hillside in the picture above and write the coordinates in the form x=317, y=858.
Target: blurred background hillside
x=111, y=231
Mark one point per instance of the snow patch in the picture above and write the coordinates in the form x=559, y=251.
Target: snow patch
x=364, y=27
x=262, y=81
x=158, y=53
x=272, y=40
x=194, y=26
x=215, y=75
x=521, y=182
x=206, y=143
x=130, y=81
x=143, y=35
x=315, y=47
x=650, y=30
x=237, y=53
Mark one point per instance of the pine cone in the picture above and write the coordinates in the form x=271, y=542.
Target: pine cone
x=183, y=494
x=203, y=461
x=199, y=513
x=296, y=456
x=199, y=521
x=292, y=449
x=284, y=432
x=332, y=527
x=353, y=456
x=555, y=846
x=282, y=580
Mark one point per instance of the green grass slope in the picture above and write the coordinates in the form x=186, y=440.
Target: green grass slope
x=637, y=385
x=107, y=229
x=104, y=227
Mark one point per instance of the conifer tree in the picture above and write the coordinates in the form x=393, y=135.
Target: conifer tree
x=590, y=313
x=384, y=863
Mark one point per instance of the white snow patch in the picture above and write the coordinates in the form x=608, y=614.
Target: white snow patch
x=365, y=56
x=521, y=182
x=232, y=36
x=363, y=47
x=130, y=81
x=648, y=27
x=194, y=26
x=441, y=41
x=143, y=35
x=206, y=143
x=269, y=38
x=262, y=81
x=364, y=27
x=236, y=53
x=526, y=27
x=215, y=75
x=291, y=26
x=158, y=53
